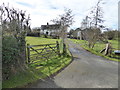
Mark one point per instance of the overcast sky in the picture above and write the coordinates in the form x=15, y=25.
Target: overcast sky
x=42, y=11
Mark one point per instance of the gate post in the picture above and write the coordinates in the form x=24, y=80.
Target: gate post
x=58, y=49
x=64, y=48
x=28, y=53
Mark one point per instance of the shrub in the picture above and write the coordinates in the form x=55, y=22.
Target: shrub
x=54, y=36
x=14, y=25
x=34, y=33
x=10, y=53
x=113, y=34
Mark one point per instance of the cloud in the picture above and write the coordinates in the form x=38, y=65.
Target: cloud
x=25, y=4
x=42, y=11
x=111, y=13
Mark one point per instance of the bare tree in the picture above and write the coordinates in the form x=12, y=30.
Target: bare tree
x=92, y=25
x=96, y=17
x=65, y=20
x=92, y=36
x=85, y=23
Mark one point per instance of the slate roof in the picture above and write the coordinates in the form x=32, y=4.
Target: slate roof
x=50, y=27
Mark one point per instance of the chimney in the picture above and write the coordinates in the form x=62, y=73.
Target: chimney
x=47, y=23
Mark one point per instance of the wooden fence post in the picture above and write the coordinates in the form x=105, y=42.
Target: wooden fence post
x=58, y=49
x=28, y=53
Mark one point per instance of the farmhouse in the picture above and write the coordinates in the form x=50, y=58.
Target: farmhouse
x=51, y=30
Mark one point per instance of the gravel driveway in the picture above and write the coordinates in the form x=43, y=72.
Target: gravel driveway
x=86, y=71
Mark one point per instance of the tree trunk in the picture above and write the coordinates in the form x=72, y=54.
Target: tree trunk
x=108, y=49
x=102, y=50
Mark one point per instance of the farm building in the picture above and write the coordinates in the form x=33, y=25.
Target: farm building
x=77, y=34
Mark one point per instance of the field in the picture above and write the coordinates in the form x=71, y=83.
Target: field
x=98, y=47
x=34, y=71
x=39, y=40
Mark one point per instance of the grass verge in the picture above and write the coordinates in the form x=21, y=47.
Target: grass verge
x=98, y=47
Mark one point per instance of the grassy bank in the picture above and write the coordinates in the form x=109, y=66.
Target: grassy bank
x=98, y=47
x=34, y=71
